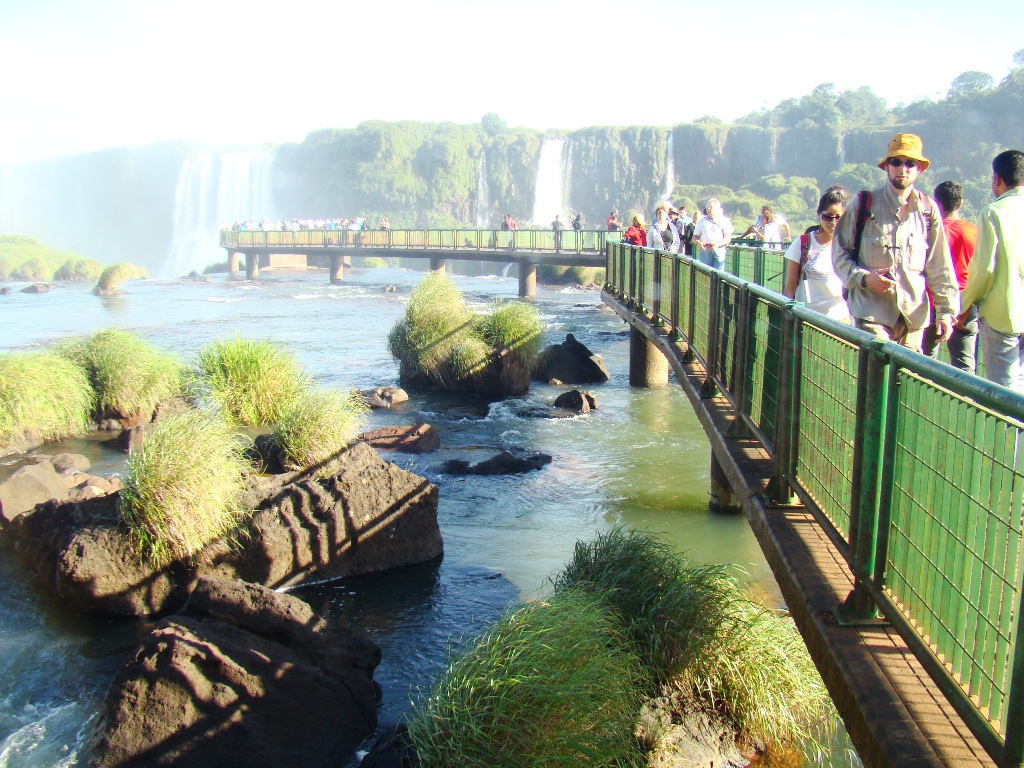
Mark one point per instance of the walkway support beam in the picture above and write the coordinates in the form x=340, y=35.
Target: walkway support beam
x=338, y=264
x=723, y=498
x=648, y=366
x=527, y=280
x=252, y=265
x=437, y=265
x=234, y=261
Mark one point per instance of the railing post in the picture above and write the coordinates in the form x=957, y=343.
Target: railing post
x=742, y=372
x=868, y=457
x=1013, y=745
x=709, y=388
x=784, y=446
x=656, y=320
x=674, y=310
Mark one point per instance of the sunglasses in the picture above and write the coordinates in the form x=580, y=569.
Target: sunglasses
x=831, y=217
x=896, y=162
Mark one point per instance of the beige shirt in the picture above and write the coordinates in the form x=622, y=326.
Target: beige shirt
x=914, y=252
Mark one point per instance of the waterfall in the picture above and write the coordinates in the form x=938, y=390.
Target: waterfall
x=670, y=166
x=549, y=199
x=483, y=194
x=215, y=191
x=842, y=150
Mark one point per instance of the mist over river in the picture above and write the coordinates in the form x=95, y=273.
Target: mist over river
x=641, y=460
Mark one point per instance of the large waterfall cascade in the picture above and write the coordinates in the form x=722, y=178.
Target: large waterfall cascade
x=483, y=194
x=553, y=174
x=670, y=166
x=215, y=191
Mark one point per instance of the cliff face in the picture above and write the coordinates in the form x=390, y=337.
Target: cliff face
x=161, y=205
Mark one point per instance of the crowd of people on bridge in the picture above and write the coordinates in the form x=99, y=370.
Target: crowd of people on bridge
x=895, y=262
x=355, y=223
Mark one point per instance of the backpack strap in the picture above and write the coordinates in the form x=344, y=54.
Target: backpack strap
x=863, y=211
x=805, y=248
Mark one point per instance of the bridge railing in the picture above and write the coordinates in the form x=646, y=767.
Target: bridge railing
x=915, y=469
x=565, y=241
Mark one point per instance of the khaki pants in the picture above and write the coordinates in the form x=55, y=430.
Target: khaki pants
x=898, y=332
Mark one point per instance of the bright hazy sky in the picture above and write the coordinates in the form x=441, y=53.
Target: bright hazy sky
x=80, y=75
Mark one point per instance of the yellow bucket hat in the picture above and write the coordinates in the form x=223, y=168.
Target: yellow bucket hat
x=906, y=145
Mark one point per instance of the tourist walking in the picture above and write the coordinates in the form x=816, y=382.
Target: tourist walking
x=961, y=236
x=663, y=234
x=995, y=279
x=890, y=250
x=711, y=234
x=810, y=277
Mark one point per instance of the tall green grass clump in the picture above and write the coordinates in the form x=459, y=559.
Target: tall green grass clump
x=317, y=425
x=115, y=275
x=183, y=486
x=436, y=323
x=515, y=326
x=251, y=381
x=697, y=630
x=128, y=375
x=42, y=393
x=554, y=683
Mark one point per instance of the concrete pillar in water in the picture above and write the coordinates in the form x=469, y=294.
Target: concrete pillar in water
x=252, y=265
x=234, y=259
x=723, y=499
x=437, y=265
x=337, y=268
x=527, y=280
x=648, y=367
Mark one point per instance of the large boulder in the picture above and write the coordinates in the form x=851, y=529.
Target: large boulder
x=370, y=516
x=576, y=401
x=570, y=363
x=415, y=438
x=27, y=487
x=384, y=397
x=242, y=675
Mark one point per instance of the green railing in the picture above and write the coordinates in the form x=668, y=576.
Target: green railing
x=915, y=469
x=566, y=241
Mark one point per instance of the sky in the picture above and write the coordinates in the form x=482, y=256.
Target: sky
x=83, y=75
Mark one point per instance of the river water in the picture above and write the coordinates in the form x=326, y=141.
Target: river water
x=641, y=460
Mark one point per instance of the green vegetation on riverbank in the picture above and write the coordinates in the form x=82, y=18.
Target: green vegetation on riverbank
x=129, y=376
x=42, y=394
x=183, y=486
x=543, y=687
x=24, y=258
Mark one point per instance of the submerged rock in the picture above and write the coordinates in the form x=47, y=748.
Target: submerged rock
x=504, y=463
x=384, y=397
x=242, y=675
x=574, y=400
x=417, y=438
x=571, y=363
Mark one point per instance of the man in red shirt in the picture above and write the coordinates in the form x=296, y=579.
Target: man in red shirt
x=960, y=234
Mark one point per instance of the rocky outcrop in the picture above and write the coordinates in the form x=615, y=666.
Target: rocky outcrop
x=503, y=463
x=417, y=438
x=571, y=363
x=242, y=675
x=384, y=397
x=31, y=485
x=576, y=401
x=38, y=288
x=370, y=516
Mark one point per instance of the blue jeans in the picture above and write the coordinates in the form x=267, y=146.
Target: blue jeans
x=1004, y=357
x=712, y=258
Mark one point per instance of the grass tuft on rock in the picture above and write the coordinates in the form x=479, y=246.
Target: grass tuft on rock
x=697, y=629
x=128, y=375
x=114, y=276
x=553, y=683
x=183, y=485
x=251, y=381
x=514, y=326
x=43, y=394
x=317, y=425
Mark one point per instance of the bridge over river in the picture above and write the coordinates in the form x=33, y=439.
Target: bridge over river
x=334, y=248
x=886, y=490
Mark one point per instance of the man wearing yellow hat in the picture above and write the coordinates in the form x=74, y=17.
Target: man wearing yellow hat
x=900, y=254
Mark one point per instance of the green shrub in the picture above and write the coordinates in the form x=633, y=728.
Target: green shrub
x=515, y=326
x=554, y=683
x=374, y=262
x=34, y=269
x=116, y=274
x=42, y=392
x=78, y=270
x=183, y=486
x=252, y=382
x=317, y=425
x=129, y=376
x=696, y=629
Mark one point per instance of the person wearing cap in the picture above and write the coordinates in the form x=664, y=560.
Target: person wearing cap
x=995, y=276
x=903, y=255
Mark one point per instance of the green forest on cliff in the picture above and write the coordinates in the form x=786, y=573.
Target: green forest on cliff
x=426, y=175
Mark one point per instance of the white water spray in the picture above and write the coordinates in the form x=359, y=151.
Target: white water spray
x=549, y=199
x=670, y=167
x=483, y=194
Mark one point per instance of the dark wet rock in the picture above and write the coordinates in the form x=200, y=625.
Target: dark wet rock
x=570, y=362
x=30, y=485
x=502, y=375
x=415, y=438
x=384, y=397
x=241, y=674
x=394, y=749
x=37, y=288
x=504, y=463
x=6, y=290
x=134, y=429
x=576, y=401
x=390, y=288
x=369, y=516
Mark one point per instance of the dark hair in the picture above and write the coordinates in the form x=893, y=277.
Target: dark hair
x=1009, y=166
x=834, y=195
x=949, y=195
